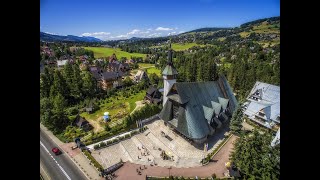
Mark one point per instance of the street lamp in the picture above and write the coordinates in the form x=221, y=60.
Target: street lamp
x=169, y=170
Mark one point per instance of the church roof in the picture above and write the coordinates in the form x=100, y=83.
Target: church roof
x=198, y=102
x=169, y=70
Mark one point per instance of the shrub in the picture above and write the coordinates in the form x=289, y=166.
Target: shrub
x=102, y=144
x=96, y=146
x=73, y=111
x=93, y=161
x=214, y=175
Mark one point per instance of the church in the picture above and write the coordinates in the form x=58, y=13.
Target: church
x=195, y=109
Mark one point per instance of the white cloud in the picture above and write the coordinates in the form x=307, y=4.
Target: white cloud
x=51, y=33
x=122, y=36
x=154, y=35
x=149, y=29
x=181, y=32
x=135, y=31
x=175, y=28
x=163, y=29
x=172, y=33
x=144, y=32
x=96, y=34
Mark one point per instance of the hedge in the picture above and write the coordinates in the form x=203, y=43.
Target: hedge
x=93, y=160
x=209, y=156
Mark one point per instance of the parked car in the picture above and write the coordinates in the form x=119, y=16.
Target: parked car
x=56, y=151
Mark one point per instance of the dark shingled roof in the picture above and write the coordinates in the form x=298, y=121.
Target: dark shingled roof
x=196, y=105
x=151, y=90
x=80, y=121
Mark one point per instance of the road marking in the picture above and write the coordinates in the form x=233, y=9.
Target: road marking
x=45, y=172
x=78, y=166
x=63, y=171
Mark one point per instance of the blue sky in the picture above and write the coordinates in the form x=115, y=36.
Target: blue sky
x=121, y=19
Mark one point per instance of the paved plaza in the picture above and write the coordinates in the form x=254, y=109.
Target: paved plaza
x=145, y=148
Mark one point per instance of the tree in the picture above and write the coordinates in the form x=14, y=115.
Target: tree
x=45, y=83
x=127, y=81
x=255, y=157
x=68, y=74
x=89, y=84
x=154, y=78
x=214, y=72
x=77, y=82
x=59, y=85
x=236, y=120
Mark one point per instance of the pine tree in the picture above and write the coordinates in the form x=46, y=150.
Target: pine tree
x=236, y=120
x=77, y=82
x=255, y=157
x=59, y=85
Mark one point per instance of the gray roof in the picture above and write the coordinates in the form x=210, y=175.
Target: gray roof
x=268, y=101
x=196, y=99
x=62, y=62
x=99, y=74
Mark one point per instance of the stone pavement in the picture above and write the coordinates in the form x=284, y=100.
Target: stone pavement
x=75, y=155
x=184, y=154
x=217, y=166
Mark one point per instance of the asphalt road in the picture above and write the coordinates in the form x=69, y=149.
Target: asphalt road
x=57, y=167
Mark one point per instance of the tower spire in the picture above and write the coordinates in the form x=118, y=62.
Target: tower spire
x=170, y=54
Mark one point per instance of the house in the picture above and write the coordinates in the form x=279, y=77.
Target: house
x=263, y=105
x=153, y=95
x=106, y=79
x=112, y=58
x=195, y=109
x=276, y=139
x=41, y=67
x=130, y=61
x=140, y=76
x=82, y=123
x=61, y=63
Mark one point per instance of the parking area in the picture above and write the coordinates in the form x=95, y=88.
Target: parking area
x=148, y=148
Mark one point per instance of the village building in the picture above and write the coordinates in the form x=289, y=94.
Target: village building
x=82, y=123
x=106, y=79
x=62, y=63
x=141, y=75
x=263, y=105
x=195, y=109
x=153, y=95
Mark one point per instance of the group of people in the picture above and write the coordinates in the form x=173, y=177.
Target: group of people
x=140, y=169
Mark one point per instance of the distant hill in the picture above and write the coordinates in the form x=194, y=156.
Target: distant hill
x=55, y=38
x=257, y=22
x=206, y=29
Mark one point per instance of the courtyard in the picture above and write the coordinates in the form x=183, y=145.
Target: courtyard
x=146, y=148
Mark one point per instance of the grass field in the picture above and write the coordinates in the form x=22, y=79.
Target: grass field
x=271, y=43
x=221, y=39
x=263, y=28
x=154, y=70
x=145, y=65
x=117, y=106
x=104, y=52
x=182, y=47
x=149, y=68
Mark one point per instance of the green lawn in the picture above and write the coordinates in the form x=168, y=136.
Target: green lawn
x=154, y=70
x=145, y=65
x=221, y=39
x=104, y=52
x=263, y=28
x=182, y=47
x=117, y=106
x=149, y=68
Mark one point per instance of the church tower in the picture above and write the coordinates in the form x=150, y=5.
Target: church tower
x=169, y=76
